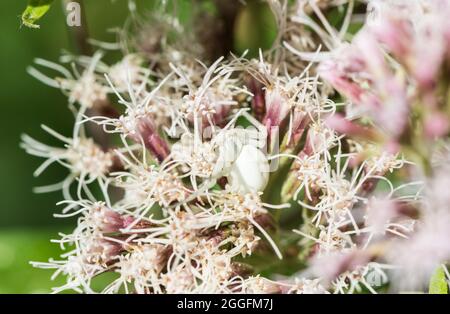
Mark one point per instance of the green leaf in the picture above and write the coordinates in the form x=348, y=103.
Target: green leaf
x=35, y=10
x=438, y=284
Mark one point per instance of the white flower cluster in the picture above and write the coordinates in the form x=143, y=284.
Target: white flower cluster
x=206, y=159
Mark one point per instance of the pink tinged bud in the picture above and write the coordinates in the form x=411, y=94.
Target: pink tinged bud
x=340, y=124
x=158, y=147
x=299, y=122
x=436, y=125
x=426, y=76
x=308, y=148
x=128, y=221
x=101, y=251
x=392, y=147
x=277, y=108
x=396, y=35
x=394, y=114
x=356, y=160
x=152, y=141
x=312, y=144
x=216, y=236
x=427, y=62
x=220, y=116
x=371, y=53
x=330, y=72
x=258, y=100
x=105, y=219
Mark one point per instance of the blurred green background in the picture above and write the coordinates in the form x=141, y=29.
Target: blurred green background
x=26, y=221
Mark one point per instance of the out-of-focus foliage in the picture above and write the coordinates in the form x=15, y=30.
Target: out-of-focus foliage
x=248, y=35
x=438, y=283
x=17, y=248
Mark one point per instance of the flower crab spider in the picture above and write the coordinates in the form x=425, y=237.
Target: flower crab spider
x=241, y=159
x=232, y=152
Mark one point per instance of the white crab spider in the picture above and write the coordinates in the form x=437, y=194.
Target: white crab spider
x=250, y=171
x=241, y=159
x=232, y=152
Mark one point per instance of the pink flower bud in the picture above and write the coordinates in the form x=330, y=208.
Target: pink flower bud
x=300, y=121
x=340, y=124
x=102, y=251
x=105, y=219
x=277, y=108
x=258, y=100
x=152, y=141
x=436, y=125
x=330, y=71
x=220, y=116
x=392, y=147
x=396, y=34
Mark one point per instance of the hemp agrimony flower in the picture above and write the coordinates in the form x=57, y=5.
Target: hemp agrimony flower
x=321, y=164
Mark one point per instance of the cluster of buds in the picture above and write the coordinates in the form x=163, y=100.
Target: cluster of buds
x=210, y=163
x=389, y=75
